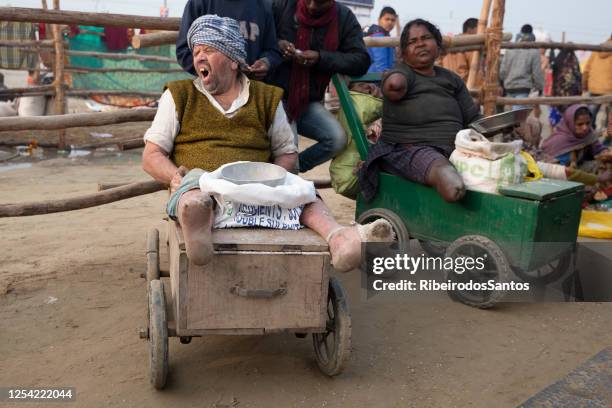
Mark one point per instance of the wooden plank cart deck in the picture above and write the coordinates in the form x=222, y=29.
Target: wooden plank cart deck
x=260, y=281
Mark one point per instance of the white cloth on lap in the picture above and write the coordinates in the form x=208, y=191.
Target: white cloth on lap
x=258, y=205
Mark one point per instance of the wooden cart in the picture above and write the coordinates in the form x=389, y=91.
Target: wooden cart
x=529, y=230
x=260, y=281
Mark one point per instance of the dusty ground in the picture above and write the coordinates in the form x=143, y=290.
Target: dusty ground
x=72, y=300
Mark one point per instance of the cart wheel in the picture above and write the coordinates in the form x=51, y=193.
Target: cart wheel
x=547, y=273
x=333, y=348
x=496, y=267
x=152, y=255
x=158, y=335
x=433, y=248
x=401, y=232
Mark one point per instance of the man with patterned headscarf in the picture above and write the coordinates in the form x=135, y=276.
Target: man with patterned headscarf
x=256, y=26
x=223, y=117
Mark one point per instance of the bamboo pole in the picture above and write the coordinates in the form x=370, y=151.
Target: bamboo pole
x=70, y=68
x=77, y=120
x=149, y=40
x=556, y=100
x=41, y=90
x=483, y=21
x=494, y=39
x=82, y=18
x=145, y=40
x=558, y=45
x=77, y=203
x=110, y=55
x=58, y=73
x=27, y=43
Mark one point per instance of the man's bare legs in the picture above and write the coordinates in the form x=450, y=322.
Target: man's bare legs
x=344, y=242
x=196, y=217
x=443, y=176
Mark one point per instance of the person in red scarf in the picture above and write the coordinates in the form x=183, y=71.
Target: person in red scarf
x=318, y=38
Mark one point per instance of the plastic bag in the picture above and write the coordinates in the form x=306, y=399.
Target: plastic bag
x=343, y=179
x=258, y=205
x=595, y=224
x=485, y=166
x=471, y=142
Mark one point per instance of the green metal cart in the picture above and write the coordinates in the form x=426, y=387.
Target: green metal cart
x=529, y=230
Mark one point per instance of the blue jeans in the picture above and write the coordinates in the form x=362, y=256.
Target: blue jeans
x=520, y=94
x=319, y=124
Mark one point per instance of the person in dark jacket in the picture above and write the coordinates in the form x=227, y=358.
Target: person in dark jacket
x=318, y=38
x=382, y=58
x=256, y=25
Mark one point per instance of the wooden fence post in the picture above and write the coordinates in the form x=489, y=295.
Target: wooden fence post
x=483, y=21
x=493, y=41
x=60, y=97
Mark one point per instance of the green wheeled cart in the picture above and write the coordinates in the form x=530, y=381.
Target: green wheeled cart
x=529, y=230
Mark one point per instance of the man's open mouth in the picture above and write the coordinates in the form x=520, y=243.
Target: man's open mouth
x=204, y=72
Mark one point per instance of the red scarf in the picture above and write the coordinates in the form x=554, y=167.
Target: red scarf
x=299, y=85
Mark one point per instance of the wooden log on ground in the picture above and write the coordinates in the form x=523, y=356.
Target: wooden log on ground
x=77, y=203
x=150, y=40
x=77, y=120
x=134, y=143
x=474, y=68
x=85, y=18
x=494, y=39
x=318, y=183
x=556, y=100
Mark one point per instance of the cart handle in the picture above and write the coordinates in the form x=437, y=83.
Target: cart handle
x=241, y=291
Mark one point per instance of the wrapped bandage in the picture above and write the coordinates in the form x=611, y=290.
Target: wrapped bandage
x=553, y=171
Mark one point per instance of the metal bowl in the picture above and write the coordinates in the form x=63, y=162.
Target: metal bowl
x=254, y=172
x=496, y=123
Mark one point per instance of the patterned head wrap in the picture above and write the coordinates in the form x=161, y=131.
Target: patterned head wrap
x=220, y=33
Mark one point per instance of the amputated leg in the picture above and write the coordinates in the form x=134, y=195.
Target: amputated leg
x=196, y=218
x=443, y=176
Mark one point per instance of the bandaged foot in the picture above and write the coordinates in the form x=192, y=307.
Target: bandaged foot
x=446, y=180
x=196, y=216
x=345, y=242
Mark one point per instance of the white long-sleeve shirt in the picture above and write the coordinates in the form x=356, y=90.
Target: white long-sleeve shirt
x=166, y=126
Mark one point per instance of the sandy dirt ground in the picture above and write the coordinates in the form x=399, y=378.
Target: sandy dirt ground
x=72, y=300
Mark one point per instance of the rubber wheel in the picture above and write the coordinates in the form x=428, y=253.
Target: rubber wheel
x=496, y=267
x=158, y=335
x=333, y=348
x=433, y=248
x=547, y=273
x=401, y=232
x=152, y=255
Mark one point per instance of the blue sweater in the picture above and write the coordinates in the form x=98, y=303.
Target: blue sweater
x=382, y=58
x=256, y=23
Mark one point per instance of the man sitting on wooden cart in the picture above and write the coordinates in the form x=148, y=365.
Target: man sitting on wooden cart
x=223, y=117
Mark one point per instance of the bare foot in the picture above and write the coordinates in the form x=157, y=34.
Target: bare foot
x=345, y=243
x=195, y=214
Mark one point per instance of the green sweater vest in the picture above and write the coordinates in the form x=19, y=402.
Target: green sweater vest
x=207, y=139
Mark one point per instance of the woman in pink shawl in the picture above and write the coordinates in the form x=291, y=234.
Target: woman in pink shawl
x=573, y=142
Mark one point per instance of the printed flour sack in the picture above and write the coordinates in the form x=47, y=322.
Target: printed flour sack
x=485, y=166
x=256, y=204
